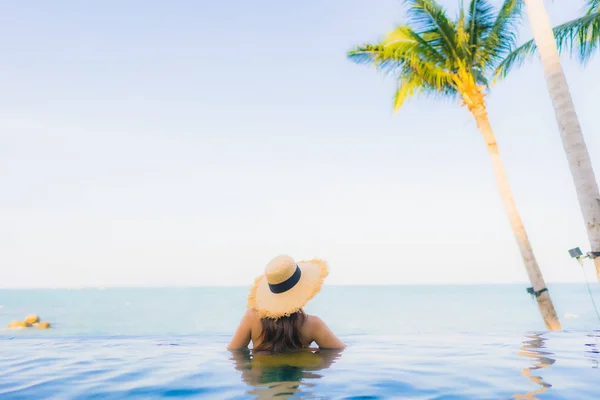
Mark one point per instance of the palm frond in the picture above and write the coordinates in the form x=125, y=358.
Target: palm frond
x=403, y=59
x=429, y=17
x=479, y=21
x=372, y=54
x=515, y=59
x=462, y=35
x=431, y=82
x=411, y=85
x=412, y=60
x=581, y=36
x=404, y=34
x=406, y=88
x=387, y=59
x=432, y=77
x=366, y=53
x=502, y=37
x=592, y=7
x=588, y=32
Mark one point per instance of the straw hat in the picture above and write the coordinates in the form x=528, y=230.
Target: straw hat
x=286, y=286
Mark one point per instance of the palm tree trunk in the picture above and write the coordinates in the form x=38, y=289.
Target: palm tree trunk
x=533, y=270
x=578, y=157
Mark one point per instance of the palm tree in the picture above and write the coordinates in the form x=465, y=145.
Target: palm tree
x=582, y=34
x=434, y=55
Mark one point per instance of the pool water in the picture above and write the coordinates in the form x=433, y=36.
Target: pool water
x=426, y=342
x=560, y=365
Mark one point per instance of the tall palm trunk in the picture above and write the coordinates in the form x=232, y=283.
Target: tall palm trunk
x=578, y=157
x=477, y=107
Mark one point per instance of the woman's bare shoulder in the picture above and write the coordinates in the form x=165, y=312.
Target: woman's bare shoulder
x=251, y=312
x=313, y=321
x=251, y=316
x=318, y=330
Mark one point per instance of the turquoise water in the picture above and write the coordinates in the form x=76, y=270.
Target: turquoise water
x=424, y=342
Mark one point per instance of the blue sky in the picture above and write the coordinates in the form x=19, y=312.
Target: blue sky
x=187, y=143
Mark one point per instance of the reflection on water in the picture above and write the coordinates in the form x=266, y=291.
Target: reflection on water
x=281, y=375
x=591, y=350
x=532, y=348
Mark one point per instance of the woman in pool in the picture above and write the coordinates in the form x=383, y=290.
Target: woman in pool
x=274, y=321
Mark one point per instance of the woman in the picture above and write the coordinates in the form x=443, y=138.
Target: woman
x=274, y=321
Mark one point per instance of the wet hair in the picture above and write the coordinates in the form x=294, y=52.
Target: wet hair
x=282, y=334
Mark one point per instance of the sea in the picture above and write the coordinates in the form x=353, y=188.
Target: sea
x=404, y=342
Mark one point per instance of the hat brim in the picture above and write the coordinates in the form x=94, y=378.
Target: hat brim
x=277, y=305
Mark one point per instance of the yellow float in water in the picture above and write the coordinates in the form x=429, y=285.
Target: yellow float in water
x=32, y=319
x=18, y=324
x=43, y=325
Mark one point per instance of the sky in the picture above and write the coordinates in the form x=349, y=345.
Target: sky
x=152, y=143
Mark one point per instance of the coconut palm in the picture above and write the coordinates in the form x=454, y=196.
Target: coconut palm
x=435, y=55
x=581, y=35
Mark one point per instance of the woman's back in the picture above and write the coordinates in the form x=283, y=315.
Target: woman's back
x=274, y=320
x=297, y=331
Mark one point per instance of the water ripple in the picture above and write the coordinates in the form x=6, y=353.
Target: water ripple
x=561, y=365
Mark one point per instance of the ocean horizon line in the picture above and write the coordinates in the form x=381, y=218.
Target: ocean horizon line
x=124, y=287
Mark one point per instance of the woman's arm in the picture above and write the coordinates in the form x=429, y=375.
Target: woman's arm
x=243, y=334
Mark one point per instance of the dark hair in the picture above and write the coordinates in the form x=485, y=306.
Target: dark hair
x=282, y=334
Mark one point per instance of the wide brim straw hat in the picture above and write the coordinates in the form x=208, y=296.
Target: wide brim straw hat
x=286, y=286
